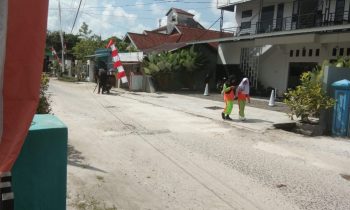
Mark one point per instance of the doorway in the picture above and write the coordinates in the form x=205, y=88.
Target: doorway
x=266, y=20
x=295, y=71
x=307, y=13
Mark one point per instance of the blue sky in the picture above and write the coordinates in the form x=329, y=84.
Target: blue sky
x=116, y=17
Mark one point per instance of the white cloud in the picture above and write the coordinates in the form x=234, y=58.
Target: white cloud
x=139, y=28
x=157, y=10
x=139, y=4
x=197, y=15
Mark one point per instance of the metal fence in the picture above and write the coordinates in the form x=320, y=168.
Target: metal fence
x=294, y=22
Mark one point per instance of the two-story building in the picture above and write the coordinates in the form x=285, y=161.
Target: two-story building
x=276, y=40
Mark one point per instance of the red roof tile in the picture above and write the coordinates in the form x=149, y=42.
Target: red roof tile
x=152, y=39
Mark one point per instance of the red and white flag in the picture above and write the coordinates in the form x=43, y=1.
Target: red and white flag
x=22, y=43
x=117, y=64
x=53, y=51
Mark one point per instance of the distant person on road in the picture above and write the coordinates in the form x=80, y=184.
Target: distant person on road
x=102, y=80
x=228, y=91
x=243, y=97
x=102, y=77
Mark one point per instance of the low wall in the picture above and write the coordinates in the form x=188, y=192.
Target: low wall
x=39, y=176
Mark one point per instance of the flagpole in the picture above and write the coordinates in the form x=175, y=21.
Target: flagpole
x=62, y=40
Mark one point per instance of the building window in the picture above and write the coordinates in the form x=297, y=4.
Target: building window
x=245, y=25
x=297, y=53
x=303, y=52
x=348, y=51
x=334, y=52
x=291, y=52
x=310, y=52
x=317, y=53
x=247, y=13
x=341, y=51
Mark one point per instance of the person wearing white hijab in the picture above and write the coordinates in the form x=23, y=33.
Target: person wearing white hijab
x=243, y=96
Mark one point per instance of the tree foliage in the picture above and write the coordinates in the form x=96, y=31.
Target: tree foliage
x=53, y=39
x=169, y=62
x=309, y=98
x=44, y=106
x=84, y=31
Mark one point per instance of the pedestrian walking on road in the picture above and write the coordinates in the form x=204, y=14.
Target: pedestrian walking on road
x=243, y=97
x=102, y=77
x=228, y=91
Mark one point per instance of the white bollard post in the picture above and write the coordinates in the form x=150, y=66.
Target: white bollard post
x=272, y=98
x=206, y=90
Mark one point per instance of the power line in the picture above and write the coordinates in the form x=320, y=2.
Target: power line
x=76, y=16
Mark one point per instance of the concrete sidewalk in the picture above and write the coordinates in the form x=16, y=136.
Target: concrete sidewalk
x=258, y=120
x=257, y=102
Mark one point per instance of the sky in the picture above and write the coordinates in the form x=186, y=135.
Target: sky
x=117, y=17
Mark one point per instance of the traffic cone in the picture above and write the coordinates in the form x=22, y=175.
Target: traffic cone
x=272, y=98
x=206, y=91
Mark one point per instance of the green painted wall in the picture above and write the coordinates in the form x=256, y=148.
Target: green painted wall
x=40, y=172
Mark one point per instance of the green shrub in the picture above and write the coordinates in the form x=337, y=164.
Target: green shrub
x=308, y=99
x=44, y=106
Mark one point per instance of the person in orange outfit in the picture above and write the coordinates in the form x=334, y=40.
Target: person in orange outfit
x=228, y=91
x=243, y=97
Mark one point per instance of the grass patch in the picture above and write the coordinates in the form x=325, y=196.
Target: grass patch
x=89, y=203
x=67, y=79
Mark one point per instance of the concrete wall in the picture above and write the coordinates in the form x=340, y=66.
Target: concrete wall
x=273, y=68
x=230, y=52
x=274, y=63
x=39, y=175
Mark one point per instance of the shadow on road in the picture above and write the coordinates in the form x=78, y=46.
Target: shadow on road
x=75, y=158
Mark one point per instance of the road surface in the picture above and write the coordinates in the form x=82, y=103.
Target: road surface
x=159, y=151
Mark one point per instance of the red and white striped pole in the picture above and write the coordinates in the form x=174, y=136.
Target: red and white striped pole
x=55, y=55
x=117, y=64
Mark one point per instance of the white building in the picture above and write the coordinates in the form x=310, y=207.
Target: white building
x=276, y=40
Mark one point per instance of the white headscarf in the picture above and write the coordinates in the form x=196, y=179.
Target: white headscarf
x=244, y=86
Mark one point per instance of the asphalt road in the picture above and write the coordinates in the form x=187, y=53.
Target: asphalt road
x=143, y=151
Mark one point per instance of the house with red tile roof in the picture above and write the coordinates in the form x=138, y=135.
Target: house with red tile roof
x=181, y=28
x=180, y=32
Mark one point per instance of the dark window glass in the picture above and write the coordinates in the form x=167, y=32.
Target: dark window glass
x=348, y=52
x=341, y=51
x=339, y=10
x=317, y=53
x=247, y=13
x=245, y=25
x=304, y=52
x=334, y=52
x=279, y=21
x=297, y=53
x=291, y=52
x=310, y=52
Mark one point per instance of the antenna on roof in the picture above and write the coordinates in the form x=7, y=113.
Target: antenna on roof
x=160, y=22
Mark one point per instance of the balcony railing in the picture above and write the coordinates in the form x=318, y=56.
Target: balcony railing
x=223, y=3
x=291, y=23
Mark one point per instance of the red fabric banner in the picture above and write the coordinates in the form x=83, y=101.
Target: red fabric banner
x=121, y=74
x=22, y=67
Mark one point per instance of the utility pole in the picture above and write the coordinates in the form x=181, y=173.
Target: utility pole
x=62, y=40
